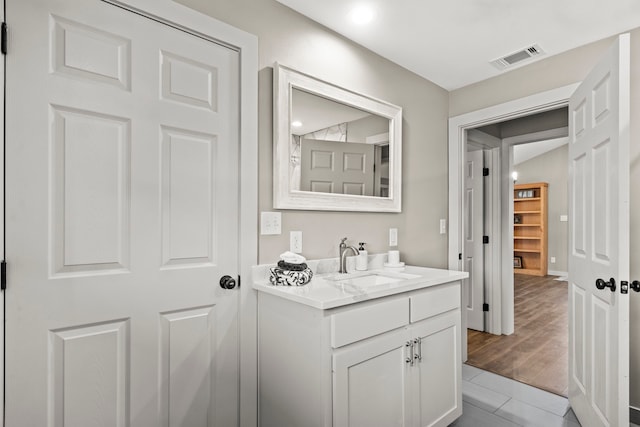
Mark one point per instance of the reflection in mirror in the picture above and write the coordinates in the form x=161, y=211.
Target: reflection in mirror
x=336, y=148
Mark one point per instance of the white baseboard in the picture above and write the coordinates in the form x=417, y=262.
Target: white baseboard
x=634, y=415
x=557, y=273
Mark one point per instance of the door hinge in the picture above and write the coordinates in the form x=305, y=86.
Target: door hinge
x=485, y=307
x=459, y=256
x=485, y=171
x=238, y=280
x=3, y=275
x=485, y=239
x=3, y=38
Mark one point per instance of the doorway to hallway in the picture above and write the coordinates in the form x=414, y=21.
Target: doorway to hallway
x=536, y=352
x=599, y=145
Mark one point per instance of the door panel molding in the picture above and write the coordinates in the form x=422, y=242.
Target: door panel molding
x=474, y=247
x=246, y=74
x=246, y=44
x=599, y=181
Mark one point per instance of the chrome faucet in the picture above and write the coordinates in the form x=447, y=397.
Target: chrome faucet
x=343, y=254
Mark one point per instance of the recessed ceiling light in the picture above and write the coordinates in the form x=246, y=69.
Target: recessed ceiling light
x=296, y=124
x=362, y=14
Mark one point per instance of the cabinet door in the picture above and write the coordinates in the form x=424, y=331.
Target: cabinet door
x=371, y=385
x=437, y=394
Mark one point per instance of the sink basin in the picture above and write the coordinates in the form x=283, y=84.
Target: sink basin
x=369, y=278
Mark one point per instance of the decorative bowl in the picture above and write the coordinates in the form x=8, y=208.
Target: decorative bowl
x=282, y=277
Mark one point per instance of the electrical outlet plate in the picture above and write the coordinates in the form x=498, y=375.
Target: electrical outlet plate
x=295, y=242
x=393, y=237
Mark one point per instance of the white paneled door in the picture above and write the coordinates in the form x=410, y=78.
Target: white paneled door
x=473, y=291
x=121, y=218
x=599, y=242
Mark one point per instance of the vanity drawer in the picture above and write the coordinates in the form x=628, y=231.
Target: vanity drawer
x=434, y=301
x=359, y=323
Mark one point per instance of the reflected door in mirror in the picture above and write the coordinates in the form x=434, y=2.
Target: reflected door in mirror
x=337, y=167
x=337, y=148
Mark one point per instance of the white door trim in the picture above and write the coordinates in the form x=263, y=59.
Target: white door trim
x=458, y=126
x=492, y=224
x=246, y=44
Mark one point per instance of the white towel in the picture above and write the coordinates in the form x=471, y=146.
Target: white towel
x=291, y=258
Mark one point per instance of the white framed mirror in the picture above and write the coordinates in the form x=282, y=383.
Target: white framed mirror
x=334, y=149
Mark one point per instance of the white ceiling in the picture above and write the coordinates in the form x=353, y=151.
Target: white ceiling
x=451, y=43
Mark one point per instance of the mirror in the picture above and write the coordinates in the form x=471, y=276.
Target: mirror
x=334, y=149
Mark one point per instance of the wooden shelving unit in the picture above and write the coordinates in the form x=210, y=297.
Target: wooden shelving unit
x=530, y=232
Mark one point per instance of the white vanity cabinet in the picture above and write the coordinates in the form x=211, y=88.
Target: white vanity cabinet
x=372, y=383
x=390, y=361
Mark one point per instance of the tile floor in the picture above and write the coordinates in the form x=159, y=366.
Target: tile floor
x=490, y=400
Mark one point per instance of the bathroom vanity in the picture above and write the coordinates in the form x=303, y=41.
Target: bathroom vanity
x=373, y=348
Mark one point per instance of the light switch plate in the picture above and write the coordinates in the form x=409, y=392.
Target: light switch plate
x=443, y=226
x=295, y=242
x=564, y=218
x=393, y=237
x=270, y=223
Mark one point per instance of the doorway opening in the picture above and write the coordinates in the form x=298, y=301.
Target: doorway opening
x=533, y=147
x=599, y=219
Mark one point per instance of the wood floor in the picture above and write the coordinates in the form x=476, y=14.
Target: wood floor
x=536, y=354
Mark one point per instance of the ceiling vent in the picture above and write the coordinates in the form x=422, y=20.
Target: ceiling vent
x=516, y=57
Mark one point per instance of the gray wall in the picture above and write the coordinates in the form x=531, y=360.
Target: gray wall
x=551, y=167
x=558, y=71
x=293, y=40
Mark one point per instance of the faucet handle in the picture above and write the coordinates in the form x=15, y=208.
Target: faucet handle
x=343, y=240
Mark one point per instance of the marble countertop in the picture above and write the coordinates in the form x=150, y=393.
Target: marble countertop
x=328, y=290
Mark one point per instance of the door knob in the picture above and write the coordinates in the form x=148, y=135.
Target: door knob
x=635, y=285
x=227, y=282
x=611, y=284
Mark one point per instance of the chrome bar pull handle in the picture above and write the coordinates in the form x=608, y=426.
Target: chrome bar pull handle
x=409, y=346
x=417, y=343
